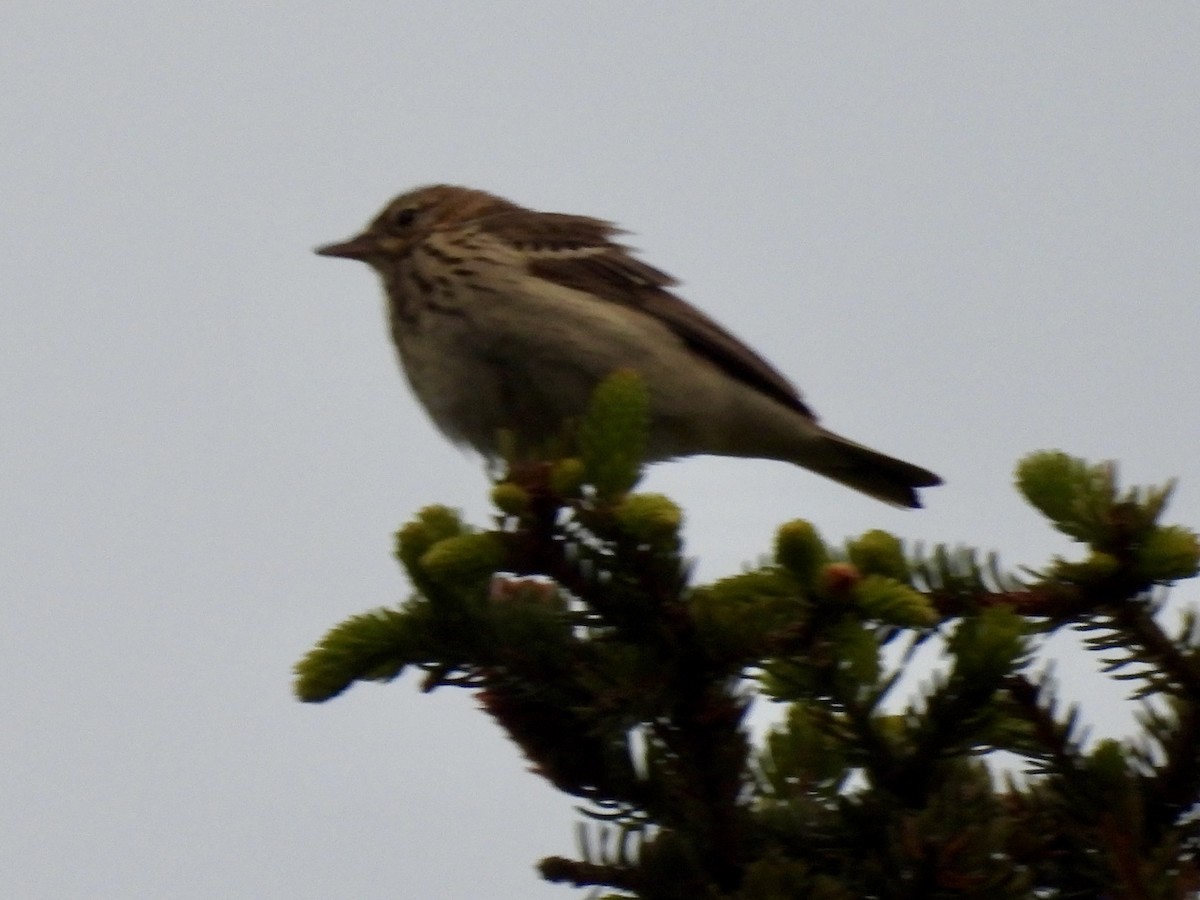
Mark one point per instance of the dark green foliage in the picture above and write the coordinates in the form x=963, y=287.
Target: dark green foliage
x=626, y=687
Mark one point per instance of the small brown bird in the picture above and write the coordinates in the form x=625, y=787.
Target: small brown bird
x=505, y=319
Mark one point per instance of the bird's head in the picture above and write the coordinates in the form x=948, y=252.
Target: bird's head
x=411, y=217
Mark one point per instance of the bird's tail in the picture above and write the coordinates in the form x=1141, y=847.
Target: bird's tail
x=875, y=474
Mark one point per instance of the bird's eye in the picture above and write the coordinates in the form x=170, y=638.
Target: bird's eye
x=404, y=217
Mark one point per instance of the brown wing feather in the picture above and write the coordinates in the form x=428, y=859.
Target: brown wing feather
x=577, y=252
x=549, y=232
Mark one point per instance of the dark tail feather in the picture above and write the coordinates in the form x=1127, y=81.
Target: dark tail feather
x=875, y=474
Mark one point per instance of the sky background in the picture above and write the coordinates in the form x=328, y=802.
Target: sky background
x=967, y=231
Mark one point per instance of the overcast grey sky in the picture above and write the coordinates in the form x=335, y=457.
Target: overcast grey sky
x=967, y=231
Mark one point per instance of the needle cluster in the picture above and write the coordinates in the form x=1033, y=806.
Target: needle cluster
x=574, y=619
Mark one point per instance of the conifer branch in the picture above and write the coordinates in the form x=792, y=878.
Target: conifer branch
x=574, y=619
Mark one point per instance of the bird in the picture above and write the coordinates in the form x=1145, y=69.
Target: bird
x=506, y=318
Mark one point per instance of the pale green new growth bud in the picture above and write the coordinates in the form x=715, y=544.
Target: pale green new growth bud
x=510, y=498
x=432, y=524
x=467, y=557
x=800, y=550
x=879, y=553
x=1050, y=480
x=1075, y=496
x=652, y=518
x=612, y=436
x=1097, y=567
x=896, y=603
x=1169, y=553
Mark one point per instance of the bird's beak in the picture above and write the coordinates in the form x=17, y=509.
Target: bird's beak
x=360, y=248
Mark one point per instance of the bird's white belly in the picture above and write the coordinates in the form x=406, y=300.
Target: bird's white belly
x=528, y=365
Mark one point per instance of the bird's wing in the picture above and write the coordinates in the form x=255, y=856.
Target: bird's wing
x=578, y=252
